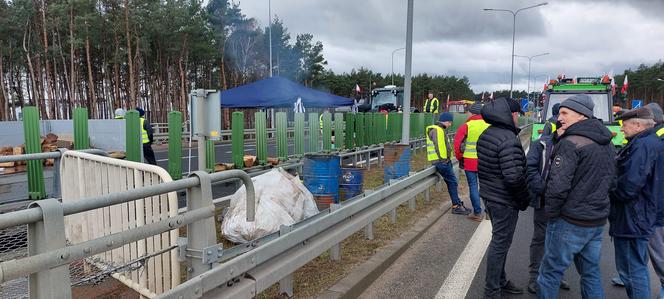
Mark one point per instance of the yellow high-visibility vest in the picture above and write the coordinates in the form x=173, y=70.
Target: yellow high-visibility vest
x=660, y=132
x=475, y=129
x=144, y=132
x=431, y=148
x=119, y=117
x=432, y=105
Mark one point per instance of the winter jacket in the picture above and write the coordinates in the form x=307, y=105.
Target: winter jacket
x=640, y=184
x=538, y=165
x=581, y=175
x=659, y=130
x=501, y=162
x=469, y=164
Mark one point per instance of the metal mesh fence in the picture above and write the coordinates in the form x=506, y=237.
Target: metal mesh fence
x=14, y=245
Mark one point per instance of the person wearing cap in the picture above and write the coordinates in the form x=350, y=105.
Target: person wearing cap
x=634, y=202
x=501, y=169
x=119, y=113
x=656, y=243
x=431, y=104
x=550, y=124
x=576, y=199
x=147, y=138
x=439, y=153
x=539, y=163
x=465, y=150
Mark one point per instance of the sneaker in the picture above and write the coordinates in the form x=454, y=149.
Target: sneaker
x=460, y=209
x=564, y=284
x=476, y=217
x=511, y=288
x=617, y=282
x=533, y=287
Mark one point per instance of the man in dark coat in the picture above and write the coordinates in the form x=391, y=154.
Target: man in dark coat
x=656, y=244
x=539, y=163
x=576, y=199
x=634, y=201
x=502, y=174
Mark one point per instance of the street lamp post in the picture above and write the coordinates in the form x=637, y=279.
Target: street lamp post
x=395, y=50
x=514, y=13
x=530, y=59
x=269, y=12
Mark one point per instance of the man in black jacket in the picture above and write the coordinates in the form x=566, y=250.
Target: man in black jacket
x=502, y=175
x=576, y=199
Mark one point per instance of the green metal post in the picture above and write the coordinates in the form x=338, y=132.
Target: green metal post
x=175, y=144
x=339, y=131
x=36, y=188
x=314, y=129
x=413, y=125
x=282, y=137
x=261, y=137
x=420, y=124
x=378, y=127
x=327, y=131
x=397, y=133
x=133, y=136
x=368, y=129
x=210, y=159
x=238, y=139
x=392, y=124
x=81, y=135
x=299, y=134
x=350, y=130
x=359, y=129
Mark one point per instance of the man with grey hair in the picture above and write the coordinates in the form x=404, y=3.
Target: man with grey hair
x=634, y=201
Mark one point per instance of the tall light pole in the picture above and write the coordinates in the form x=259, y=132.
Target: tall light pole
x=269, y=12
x=514, y=13
x=405, y=129
x=530, y=59
x=395, y=50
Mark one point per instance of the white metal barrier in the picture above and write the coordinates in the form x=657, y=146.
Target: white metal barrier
x=86, y=176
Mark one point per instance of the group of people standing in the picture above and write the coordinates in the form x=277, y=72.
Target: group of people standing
x=574, y=179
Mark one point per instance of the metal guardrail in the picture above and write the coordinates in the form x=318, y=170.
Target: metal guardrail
x=47, y=265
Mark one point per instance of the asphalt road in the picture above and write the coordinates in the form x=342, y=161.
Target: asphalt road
x=422, y=269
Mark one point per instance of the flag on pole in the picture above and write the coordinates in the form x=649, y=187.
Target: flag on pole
x=491, y=96
x=448, y=97
x=613, y=83
x=624, y=87
x=483, y=96
x=357, y=88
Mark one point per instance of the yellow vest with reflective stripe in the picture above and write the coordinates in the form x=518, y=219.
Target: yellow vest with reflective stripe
x=119, y=117
x=660, y=132
x=432, y=105
x=431, y=148
x=475, y=129
x=320, y=121
x=144, y=132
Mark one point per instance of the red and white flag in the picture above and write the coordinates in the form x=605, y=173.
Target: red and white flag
x=357, y=88
x=623, y=90
x=448, y=97
x=613, y=83
x=546, y=84
x=483, y=96
x=491, y=96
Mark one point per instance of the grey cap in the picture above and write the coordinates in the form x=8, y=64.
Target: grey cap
x=475, y=108
x=656, y=112
x=580, y=103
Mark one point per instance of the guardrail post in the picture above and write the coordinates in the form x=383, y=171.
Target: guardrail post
x=201, y=235
x=380, y=157
x=314, y=129
x=299, y=134
x=238, y=139
x=261, y=137
x=427, y=194
x=339, y=133
x=81, y=135
x=175, y=144
x=349, y=119
x=56, y=174
x=359, y=130
x=335, y=250
x=133, y=142
x=36, y=188
x=282, y=137
x=45, y=236
x=286, y=283
x=368, y=160
x=327, y=131
x=393, y=215
x=368, y=231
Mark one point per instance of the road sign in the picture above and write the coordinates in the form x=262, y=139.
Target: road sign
x=524, y=105
x=637, y=104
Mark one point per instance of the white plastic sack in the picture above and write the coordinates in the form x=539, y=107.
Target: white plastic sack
x=281, y=199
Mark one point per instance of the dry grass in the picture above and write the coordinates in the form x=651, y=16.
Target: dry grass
x=322, y=273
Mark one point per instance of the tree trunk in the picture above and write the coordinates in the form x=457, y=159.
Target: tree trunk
x=26, y=36
x=3, y=95
x=91, y=83
x=72, y=54
x=47, y=64
x=132, y=87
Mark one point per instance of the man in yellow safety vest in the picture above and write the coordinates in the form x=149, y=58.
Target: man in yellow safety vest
x=465, y=150
x=119, y=113
x=431, y=104
x=439, y=153
x=146, y=138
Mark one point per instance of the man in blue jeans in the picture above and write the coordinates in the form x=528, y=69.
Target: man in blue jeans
x=439, y=153
x=634, y=201
x=576, y=199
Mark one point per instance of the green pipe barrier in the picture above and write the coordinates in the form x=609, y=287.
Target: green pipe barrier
x=299, y=134
x=261, y=137
x=133, y=141
x=36, y=188
x=210, y=156
x=359, y=130
x=350, y=130
x=175, y=144
x=81, y=135
x=282, y=137
x=314, y=130
x=339, y=131
x=327, y=131
x=237, y=125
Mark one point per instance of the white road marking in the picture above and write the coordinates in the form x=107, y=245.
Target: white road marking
x=458, y=282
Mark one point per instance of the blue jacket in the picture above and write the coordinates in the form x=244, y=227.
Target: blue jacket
x=538, y=162
x=640, y=185
x=660, y=182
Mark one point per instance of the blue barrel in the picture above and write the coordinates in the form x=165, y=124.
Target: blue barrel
x=397, y=161
x=350, y=182
x=321, y=174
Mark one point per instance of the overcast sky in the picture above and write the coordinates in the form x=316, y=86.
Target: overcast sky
x=453, y=37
